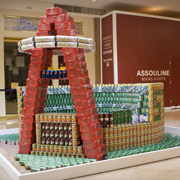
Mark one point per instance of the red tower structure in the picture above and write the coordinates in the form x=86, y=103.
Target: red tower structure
x=57, y=36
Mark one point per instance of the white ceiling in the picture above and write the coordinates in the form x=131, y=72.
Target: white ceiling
x=169, y=8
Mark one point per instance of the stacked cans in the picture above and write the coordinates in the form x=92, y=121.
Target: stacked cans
x=54, y=74
x=57, y=135
x=84, y=103
x=122, y=117
x=20, y=99
x=156, y=101
x=34, y=98
x=58, y=101
x=169, y=141
x=125, y=136
x=56, y=22
x=40, y=163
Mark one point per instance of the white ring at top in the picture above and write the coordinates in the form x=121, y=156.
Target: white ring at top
x=55, y=42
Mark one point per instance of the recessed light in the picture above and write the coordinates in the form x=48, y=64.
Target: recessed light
x=93, y=0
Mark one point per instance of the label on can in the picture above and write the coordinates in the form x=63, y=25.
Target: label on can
x=42, y=147
x=47, y=149
x=79, y=149
x=74, y=119
x=65, y=149
x=59, y=118
x=51, y=147
x=70, y=150
x=41, y=117
x=60, y=149
x=34, y=147
x=74, y=150
x=68, y=118
x=63, y=118
x=74, y=127
x=74, y=142
x=37, y=117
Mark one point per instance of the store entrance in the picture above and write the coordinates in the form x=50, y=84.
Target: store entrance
x=16, y=67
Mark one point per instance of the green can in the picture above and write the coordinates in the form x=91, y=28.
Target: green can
x=65, y=165
x=37, y=153
x=138, y=111
x=45, y=153
x=126, y=120
x=35, y=169
x=41, y=153
x=22, y=163
x=32, y=153
x=129, y=113
x=125, y=113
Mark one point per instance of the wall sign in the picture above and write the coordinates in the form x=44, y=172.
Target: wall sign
x=12, y=23
x=20, y=23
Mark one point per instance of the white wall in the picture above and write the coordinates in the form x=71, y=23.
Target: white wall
x=18, y=8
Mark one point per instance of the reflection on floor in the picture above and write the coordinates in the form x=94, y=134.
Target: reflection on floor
x=162, y=170
x=9, y=124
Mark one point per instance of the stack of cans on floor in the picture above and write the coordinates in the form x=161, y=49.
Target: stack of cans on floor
x=57, y=135
x=41, y=163
x=169, y=141
x=10, y=139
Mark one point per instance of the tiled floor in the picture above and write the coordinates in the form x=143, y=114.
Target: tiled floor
x=162, y=170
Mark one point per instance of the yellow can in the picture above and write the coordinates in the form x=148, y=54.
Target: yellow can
x=38, y=126
x=63, y=118
x=37, y=118
x=80, y=150
x=43, y=148
x=70, y=149
x=47, y=148
x=68, y=118
x=59, y=118
x=45, y=118
x=74, y=149
x=34, y=147
x=73, y=118
x=50, y=117
x=60, y=149
x=51, y=148
x=65, y=149
x=55, y=117
x=41, y=117
x=38, y=140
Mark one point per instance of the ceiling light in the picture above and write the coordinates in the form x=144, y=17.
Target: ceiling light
x=93, y=0
x=154, y=9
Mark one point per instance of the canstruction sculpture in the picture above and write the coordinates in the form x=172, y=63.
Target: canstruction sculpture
x=57, y=35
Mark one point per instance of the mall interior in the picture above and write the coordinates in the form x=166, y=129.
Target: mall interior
x=128, y=44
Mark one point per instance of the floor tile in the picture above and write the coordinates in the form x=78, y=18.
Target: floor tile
x=156, y=174
x=121, y=174
x=3, y=174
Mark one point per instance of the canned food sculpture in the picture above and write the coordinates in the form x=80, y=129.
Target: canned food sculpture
x=57, y=36
x=108, y=117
